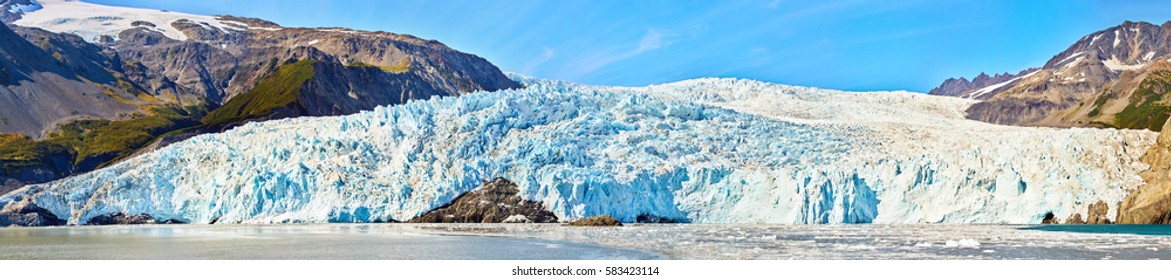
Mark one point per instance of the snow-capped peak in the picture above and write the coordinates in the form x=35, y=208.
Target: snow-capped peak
x=92, y=21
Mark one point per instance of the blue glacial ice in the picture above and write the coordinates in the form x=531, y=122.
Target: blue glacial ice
x=706, y=150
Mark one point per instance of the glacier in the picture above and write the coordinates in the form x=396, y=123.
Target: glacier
x=705, y=150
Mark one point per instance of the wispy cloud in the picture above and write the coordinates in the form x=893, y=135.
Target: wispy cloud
x=773, y=4
x=530, y=67
x=653, y=40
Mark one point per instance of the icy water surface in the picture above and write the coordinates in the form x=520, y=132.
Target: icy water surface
x=320, y=241
x=550, y=241
x=708, y=241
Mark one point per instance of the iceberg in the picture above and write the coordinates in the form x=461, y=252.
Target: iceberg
x=704, y=150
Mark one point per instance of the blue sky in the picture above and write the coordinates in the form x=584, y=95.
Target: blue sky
x=850, y=45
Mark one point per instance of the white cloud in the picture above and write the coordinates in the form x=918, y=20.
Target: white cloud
x=530, y=66
x=652, y=40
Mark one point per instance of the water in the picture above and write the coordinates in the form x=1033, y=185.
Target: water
x=1160, y=230
x=505, y=241
x=821, y=242
x=323, y=241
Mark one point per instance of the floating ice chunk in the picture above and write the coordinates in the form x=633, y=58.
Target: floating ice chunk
x=962, y=243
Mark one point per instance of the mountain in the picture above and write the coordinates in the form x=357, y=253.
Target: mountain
x=89, y=85
x=1111, y=78
x=220, y=57
x=706, y=150
x=50, y=78
x=978, y=87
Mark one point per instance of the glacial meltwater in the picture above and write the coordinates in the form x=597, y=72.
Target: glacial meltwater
x=551, y=241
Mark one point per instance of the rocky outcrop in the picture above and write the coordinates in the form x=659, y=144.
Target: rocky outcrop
x=123, y=219
x=1096, y=214
x=596, y=221
x=496, y=201
x=1151, y=203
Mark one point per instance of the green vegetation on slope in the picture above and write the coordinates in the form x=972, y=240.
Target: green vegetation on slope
x=80, y=145
x=1146, y=108
x=91, y=141
x=402, y=66
x=279, y=90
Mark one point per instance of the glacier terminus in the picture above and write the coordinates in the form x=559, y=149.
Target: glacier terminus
x=702, y=151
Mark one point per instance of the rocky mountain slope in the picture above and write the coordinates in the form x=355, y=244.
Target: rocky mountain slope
x=707, y=150
x=220, y=57
x=50, y=78
x=1112, y=78
x=115, y=80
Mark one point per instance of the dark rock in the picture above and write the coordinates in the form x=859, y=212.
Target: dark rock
x=597, y=221
x=495, y=201
x=26, y=213
x=1049, y=219
x=123, y=219
x=654, y=219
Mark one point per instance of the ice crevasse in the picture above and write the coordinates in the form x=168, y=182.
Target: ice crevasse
x=705, y=150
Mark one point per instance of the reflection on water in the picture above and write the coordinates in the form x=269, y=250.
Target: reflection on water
x=324, y=241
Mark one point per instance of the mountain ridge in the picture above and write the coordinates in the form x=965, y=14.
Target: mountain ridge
x=1089, y=84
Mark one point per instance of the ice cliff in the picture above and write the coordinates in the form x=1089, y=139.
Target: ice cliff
x=707, y=150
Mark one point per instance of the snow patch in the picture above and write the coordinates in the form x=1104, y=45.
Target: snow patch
x=1116, y=38
x=1149, y=55
x=1072, y=56
x=518, y=218
x=988, y=89
x=1115, y=65
x=92, y=21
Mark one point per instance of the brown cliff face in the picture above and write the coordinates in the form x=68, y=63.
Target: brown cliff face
x=1151, y=203
x=219, y=64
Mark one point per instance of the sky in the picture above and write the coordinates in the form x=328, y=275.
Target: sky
x=840, y=44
